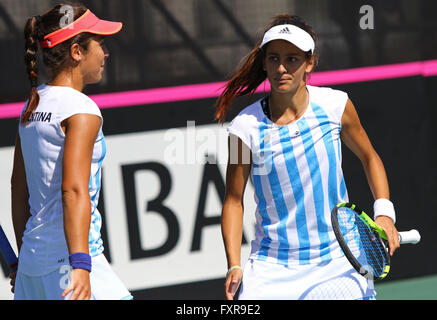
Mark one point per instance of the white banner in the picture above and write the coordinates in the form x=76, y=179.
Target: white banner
x=162, y=203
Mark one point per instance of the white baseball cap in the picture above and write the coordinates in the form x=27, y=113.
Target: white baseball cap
x=291, y=33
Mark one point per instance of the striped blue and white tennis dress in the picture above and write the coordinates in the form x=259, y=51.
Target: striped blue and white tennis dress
x=44, y=249
x=297, y=175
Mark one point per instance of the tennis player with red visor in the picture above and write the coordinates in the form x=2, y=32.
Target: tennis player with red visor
x=58, y=157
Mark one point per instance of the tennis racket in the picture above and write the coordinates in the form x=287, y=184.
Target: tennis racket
x=363, y=242
x=7, y=251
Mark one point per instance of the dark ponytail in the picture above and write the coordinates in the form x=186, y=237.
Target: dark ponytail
x=30, y=51
x=244, y=82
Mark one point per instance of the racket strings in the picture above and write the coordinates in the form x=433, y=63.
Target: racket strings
x=362, y=242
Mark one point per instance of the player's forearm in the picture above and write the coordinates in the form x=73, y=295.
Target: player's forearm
x=19, y=205
x=77, y=218
x=20, y=212
x=20, y=208
x=376, y=176
x=232, y=231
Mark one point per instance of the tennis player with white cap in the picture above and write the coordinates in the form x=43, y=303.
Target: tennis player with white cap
x=58, y=157
x=293, y=139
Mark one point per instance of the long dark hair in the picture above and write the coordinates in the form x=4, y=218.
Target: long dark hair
x=251, y=74
x=56, y=58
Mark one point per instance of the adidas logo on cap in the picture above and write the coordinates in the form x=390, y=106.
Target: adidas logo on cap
x=285, y=30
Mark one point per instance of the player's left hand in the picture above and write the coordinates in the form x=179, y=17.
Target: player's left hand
x=386, y=223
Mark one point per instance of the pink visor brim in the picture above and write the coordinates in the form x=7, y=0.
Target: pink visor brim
x=88, y=22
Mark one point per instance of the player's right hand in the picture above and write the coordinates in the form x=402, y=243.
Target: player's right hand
x=79, y=285
x=233, y=281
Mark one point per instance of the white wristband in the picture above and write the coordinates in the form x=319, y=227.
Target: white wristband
x=384, y=207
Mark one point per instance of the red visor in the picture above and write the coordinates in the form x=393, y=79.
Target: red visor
x=88, y=22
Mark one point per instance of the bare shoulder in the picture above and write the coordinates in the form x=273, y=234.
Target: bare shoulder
x=350, y=115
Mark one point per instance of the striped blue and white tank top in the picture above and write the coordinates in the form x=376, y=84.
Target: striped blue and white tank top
x=297, y=176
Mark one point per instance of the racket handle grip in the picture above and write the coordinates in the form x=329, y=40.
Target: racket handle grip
x=412, y=236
